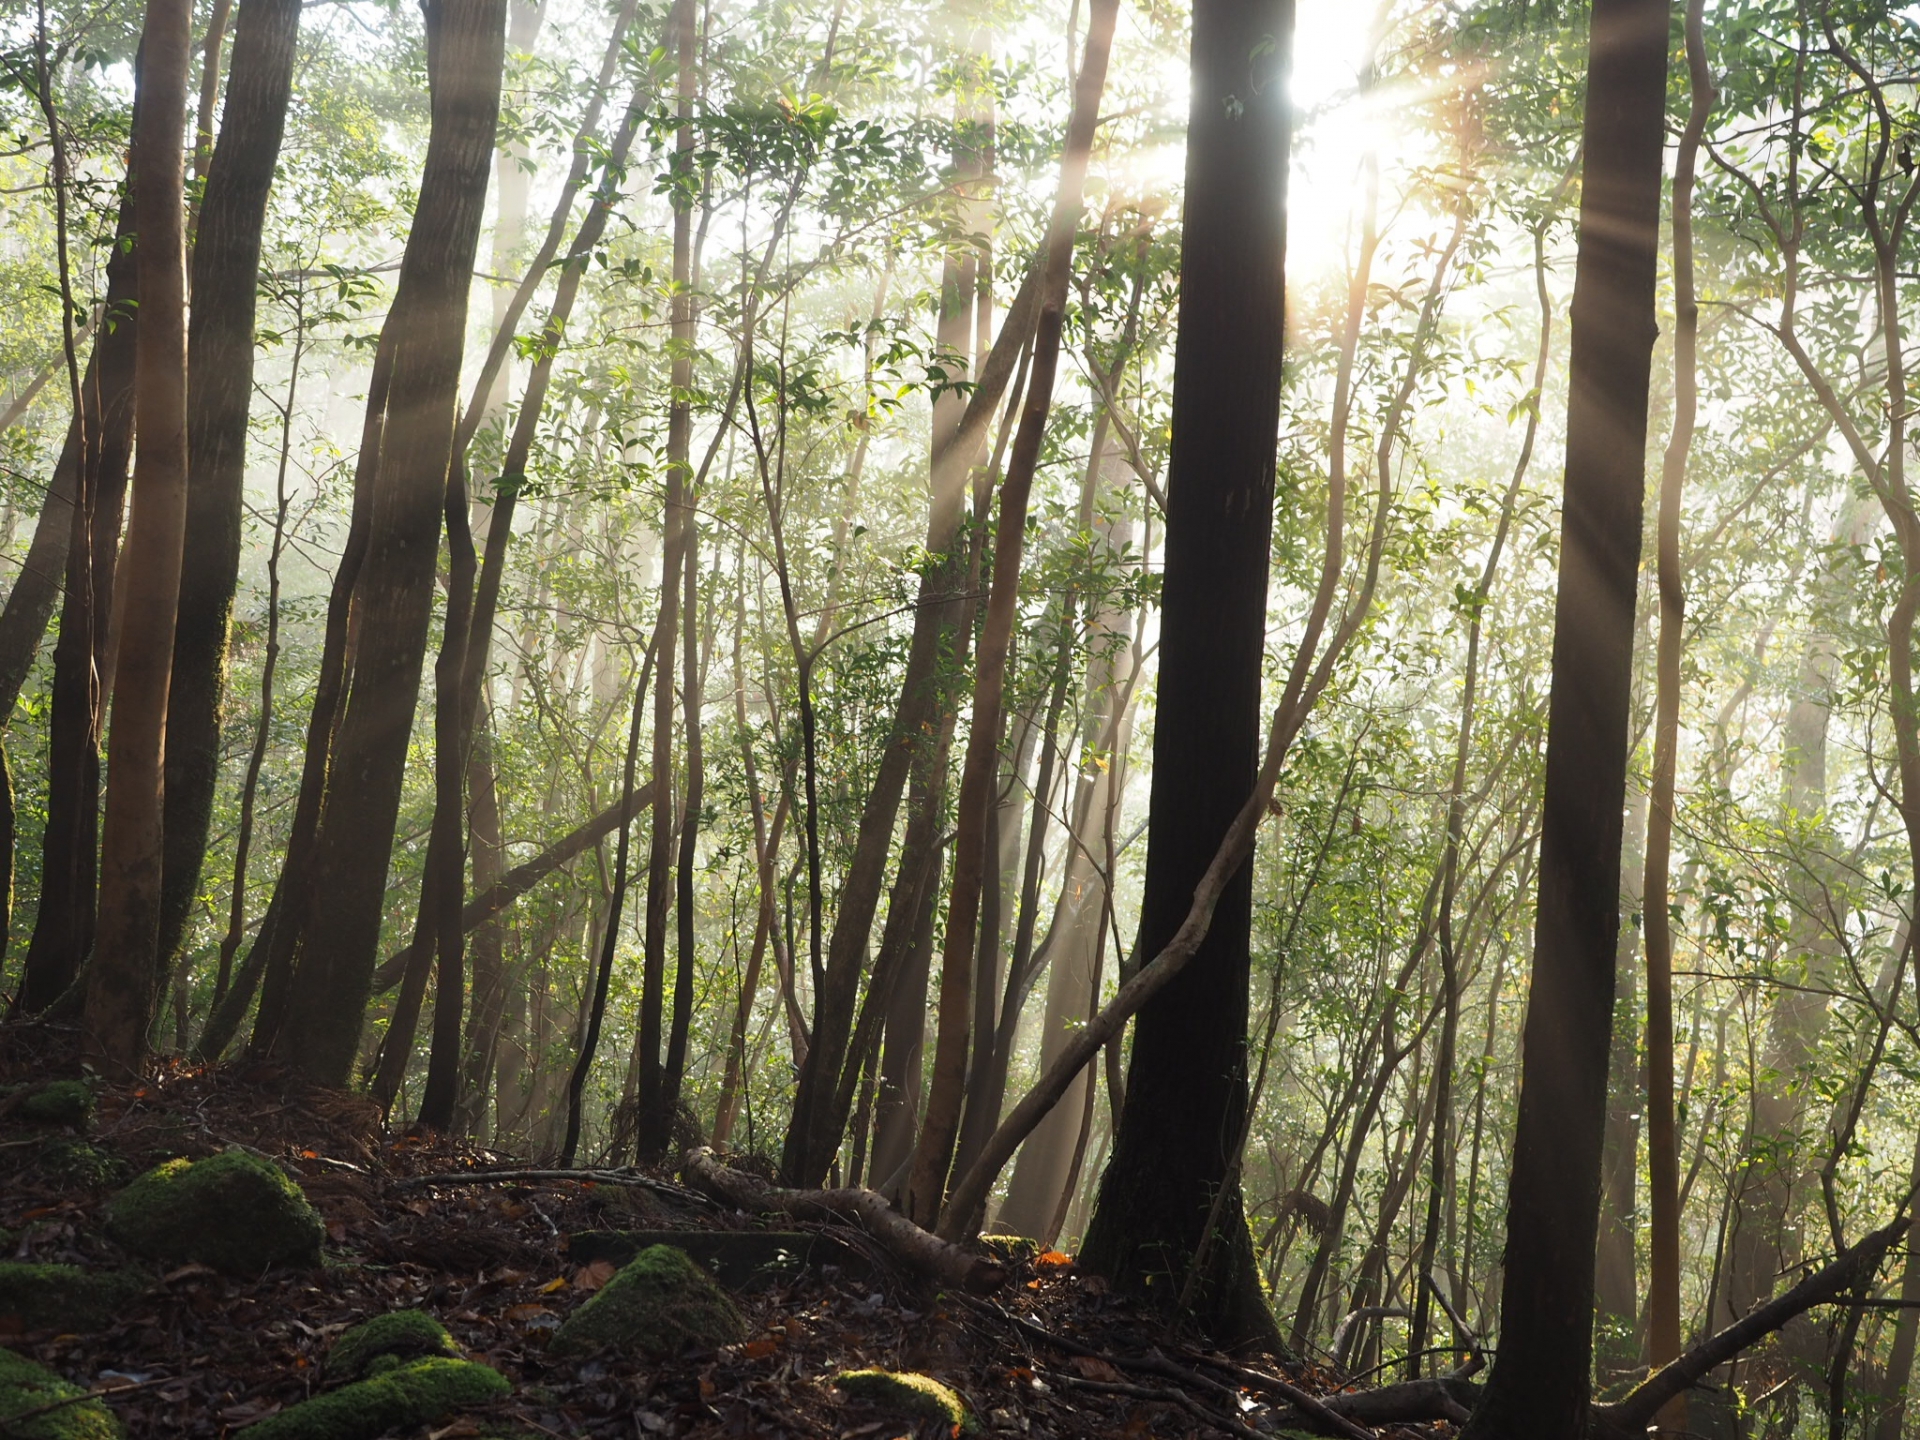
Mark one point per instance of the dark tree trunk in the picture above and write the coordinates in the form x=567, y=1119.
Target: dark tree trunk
x=98, y=450
x=226, y=264
x=1539, y=1387
x=125, y=976
x=393, y=594
x=1186, y=1093
x=104, y=431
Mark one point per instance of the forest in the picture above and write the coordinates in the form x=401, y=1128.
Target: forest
x=1263, y=652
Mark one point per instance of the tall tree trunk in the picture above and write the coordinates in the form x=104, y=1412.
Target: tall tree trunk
x=689, y=839
x=220, y=351
x=392, y=595
x=124, y=978
x=677, y=521
x=1539, y=1387
x=958, y=425
x=1186, y=1092
x=1040, y=1175
x=933, y=1152
x=1616, y=1279
x=1663, y=1144
x=93, y=467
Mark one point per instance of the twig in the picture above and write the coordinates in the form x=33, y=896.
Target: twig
x=9, y=1422
x=514, y=1177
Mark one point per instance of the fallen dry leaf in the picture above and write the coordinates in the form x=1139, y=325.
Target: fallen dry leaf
x=592, y=1277
x=1092, y=1367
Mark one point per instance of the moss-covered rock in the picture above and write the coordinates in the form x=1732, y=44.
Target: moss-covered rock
x=233, y=1211
x=64, y=1297
x=70, y=1161
x=659, y=1303
x=409, y=1395
x=401, y=1335
x=917, y=1397
x=26, y=1387
x=58, y=1102
x=1010, y=1249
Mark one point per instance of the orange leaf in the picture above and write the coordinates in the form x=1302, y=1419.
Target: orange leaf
x=592, y=1277
x=1051, y=1260
x=525, y=1312
x=759, y=1349
x=557, y=1283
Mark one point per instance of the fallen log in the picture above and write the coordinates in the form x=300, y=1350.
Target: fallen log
x=919, y=1250
x=522, y=878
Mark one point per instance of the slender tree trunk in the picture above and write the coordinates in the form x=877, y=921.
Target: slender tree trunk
x=684, y=958
x=74, y=548
x=1186, y=1092
x=125, y=975
x=392, y=595
x=676, y=522
x=220, y=352
x=1539, y=1386
x=933, y=1152
x=1663, y=1152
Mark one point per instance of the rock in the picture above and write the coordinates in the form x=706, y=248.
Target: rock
x=403, y=1397
x=917, y=1397
x=233, y=1211
x=25, y=1387
x=739, y=1259
x=400, y=1335
x=661, y=1302
x=64, y=1298
x=59, y=1102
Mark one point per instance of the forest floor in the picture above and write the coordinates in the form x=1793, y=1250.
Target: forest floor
x=204, y=1354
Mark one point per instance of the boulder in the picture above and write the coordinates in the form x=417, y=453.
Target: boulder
x=919, y=1398
x=58, y=1102
x=233, y=1211
x=64, y=1298
x=660, y=1303
x=399, y=1398
x=27, y=1388
x=402, y=1335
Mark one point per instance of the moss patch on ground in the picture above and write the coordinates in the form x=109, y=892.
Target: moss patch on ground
x=26, y=1387
x=661, y=1302
x=233, y=1211
x=416, y=1394
x=64, y=1297
x=405, y=1334
x=917, y=1397
x=59, y=1102
x=68, y=1160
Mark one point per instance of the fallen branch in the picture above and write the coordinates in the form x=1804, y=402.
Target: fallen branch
x=518, y=1177
x=1159, y=1364
x=917, y=1249
x=1849, y=1270
x=522, y=878
x=1205, y=1413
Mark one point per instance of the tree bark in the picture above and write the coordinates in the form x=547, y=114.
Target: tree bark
x=220, y=354
x=124, y=978
x=392, y=596
x=1539, y=1386
x=1186, y=1091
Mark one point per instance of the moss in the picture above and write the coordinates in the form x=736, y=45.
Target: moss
x=1011, y=1249
x=398, y=1335
x=416, y=1394
x=659, y=1303
x=25, y=1386
x=72, y=1161
x=918, y=1397
x=233, y=1211
x=64, y=1297
x=59, y=1102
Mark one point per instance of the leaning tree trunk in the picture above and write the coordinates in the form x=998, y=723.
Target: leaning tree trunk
x=220, y=352
x=123, y=982
x=1539, y=1387
x=1187, y=1088
x=393, y=594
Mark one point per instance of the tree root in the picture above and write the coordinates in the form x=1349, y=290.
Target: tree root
x=919, y=1250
